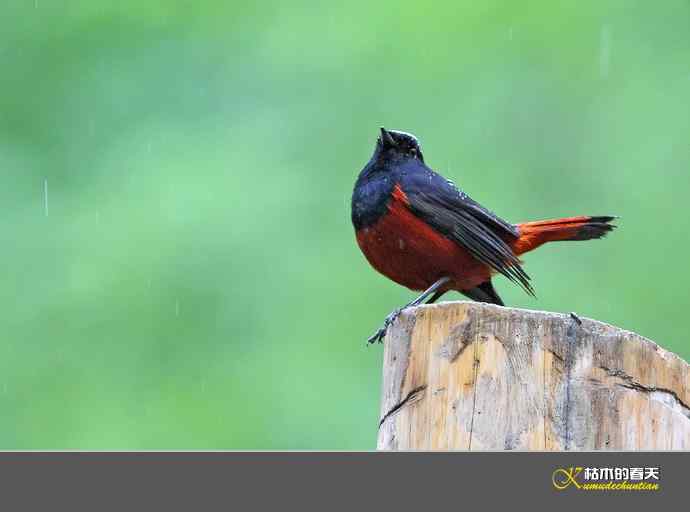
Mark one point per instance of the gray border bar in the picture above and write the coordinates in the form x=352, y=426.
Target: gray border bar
x=320, y=481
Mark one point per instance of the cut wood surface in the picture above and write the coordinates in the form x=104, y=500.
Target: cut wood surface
x=464, y=375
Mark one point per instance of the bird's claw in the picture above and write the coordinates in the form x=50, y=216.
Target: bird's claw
x=381, y=333
x=575, y=317
x=377, y=336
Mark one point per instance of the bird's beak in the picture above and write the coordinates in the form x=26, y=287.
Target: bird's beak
x=387, y=138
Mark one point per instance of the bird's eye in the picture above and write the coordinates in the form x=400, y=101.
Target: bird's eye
x=413, y=151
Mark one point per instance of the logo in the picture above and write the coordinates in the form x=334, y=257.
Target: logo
x=606, y=479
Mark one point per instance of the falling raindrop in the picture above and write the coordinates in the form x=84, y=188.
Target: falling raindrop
x=45, y=196
x=347, y=203
x=605, y=51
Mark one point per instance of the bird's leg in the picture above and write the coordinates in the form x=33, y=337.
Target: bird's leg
x=436, y=296
x=378, y=335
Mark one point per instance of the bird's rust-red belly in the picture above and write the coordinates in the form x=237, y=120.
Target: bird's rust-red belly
x=411, y=253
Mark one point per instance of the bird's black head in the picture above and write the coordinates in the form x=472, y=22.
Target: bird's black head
x=393, y=145
x=396, y=153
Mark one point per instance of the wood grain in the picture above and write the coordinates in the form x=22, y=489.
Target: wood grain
x=464, y=375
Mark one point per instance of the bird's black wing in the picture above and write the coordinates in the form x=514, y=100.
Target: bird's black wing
x=454, y=214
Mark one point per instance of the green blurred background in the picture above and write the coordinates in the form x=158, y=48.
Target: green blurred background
x=179, y=267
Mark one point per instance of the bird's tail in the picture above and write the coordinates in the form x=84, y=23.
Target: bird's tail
x=534, y=234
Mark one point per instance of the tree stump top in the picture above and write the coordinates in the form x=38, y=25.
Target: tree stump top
x=465, y=375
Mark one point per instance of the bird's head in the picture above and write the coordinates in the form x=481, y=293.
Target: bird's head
x=395, y=145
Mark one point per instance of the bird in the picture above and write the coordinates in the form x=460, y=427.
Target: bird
x=423, y=232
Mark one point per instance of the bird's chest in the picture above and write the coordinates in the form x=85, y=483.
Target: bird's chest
x=407, y=250
x=370, y=201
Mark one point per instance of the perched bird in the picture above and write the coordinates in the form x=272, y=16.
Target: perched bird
x=418, y=229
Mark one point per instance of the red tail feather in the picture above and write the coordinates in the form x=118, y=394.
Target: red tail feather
x=534, y=234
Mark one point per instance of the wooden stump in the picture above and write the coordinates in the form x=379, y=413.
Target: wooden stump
x=471, y=376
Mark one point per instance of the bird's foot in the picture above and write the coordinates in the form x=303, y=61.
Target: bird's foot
x=577, y=319
x=381, y=333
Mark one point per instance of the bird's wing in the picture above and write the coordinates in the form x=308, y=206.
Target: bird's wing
x=454, y=214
